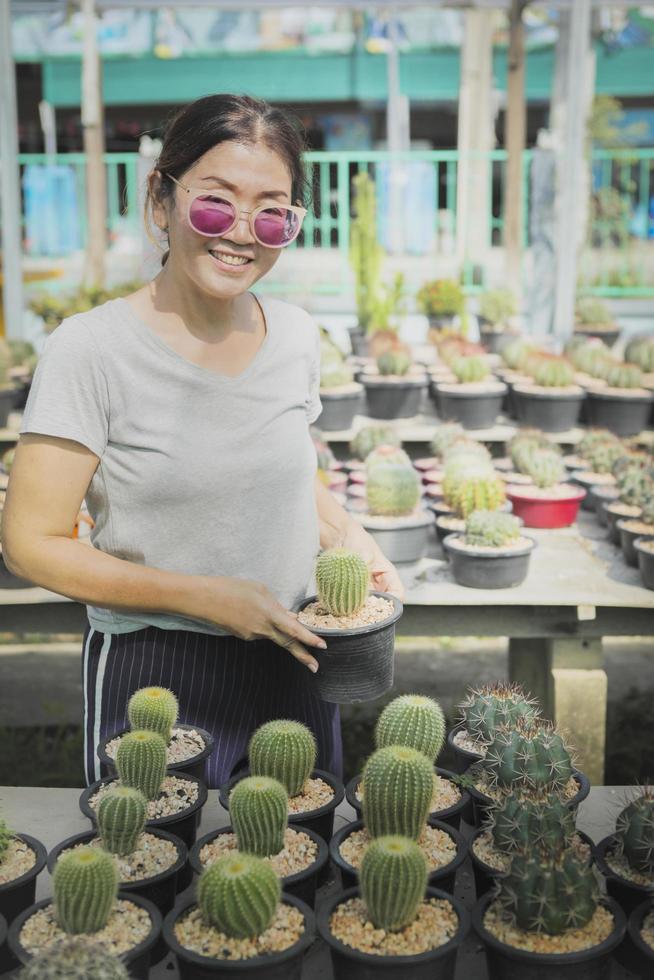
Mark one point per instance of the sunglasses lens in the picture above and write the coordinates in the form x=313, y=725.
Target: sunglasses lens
x=277, y=226
x=211, y=215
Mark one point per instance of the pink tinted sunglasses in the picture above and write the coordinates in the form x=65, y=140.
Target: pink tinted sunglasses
x=215, y=213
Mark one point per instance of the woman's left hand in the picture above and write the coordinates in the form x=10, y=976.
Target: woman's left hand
x=384, y=576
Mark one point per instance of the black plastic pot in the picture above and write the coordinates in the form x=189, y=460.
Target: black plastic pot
x=400, y=399
x=645, y=563
x=286, y=965
x=624, y=415
x=612, y=519
x=436, y=964
x=626, y=892
x=494, y=340
x=320, y=821
x=477, y=568
x=580, y=478
x=302, y=885
x=462, y=758
x=19, y=894
x=452, y=815
x=10, y=581
x=7, y=401
x=482, y=804
x=358, y=341
x=473, y=409
x=405, y=543
x=137, y=960
x=634, y=953
x=628, y=539
x=7, y=960
x=601, y=496
x=445, y=527
x=555, y=411
x=441, y=878
x=183, y=825
x=358, y=663
x=509, y=963
x=609, y=337
x=195, y=766
x=339, y=409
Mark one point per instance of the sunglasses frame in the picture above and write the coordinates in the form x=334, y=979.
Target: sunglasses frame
x=194, y=192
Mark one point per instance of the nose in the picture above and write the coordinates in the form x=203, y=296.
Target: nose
x=241, y=232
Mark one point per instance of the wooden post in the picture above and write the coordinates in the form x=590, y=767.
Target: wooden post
x=516, y=126
x=94, y=147
x=12, y=275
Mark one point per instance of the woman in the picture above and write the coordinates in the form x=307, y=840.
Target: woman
x=181, y=413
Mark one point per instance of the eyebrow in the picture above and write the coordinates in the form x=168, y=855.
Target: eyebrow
x=232, y=187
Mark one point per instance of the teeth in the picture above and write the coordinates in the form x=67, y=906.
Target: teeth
x=230, y=259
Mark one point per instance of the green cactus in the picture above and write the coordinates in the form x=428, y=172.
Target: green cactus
x=395, y=362
x=497, y=305
x=258, y=808
x=414, y=720
x=593, y=438
x=6, y=363
x=393, y=880
x=602, y=457
x=624, y=376
x=445, y=435
x=555, y=372
x=494, y=706
x=640, y=351
x=392, y=490
x=153, y=709
x=591, y=310
x=387, y=454
x=398, y=784
x=372, y=436
x=524, y=821
x=85, y=885
x=6, y=836
x=366, y=254
x=336, y=376
x=530, y=755
x=593, y=358
x=647, y=508
x=74, y=959
x=549, y=892
x=440, y=297
x=141, y=762
x=635, y=832
x=634, y=483
x=515, y=353
x=284, y=750
x=546, y=468
x=121, y=816
x=474, y=492
x=239, y=895
x=470, y=369
x=491, y=529
x=523, y=445
x=465, y=451
x=342, y=579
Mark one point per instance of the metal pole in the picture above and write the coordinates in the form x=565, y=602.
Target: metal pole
x=12, y=273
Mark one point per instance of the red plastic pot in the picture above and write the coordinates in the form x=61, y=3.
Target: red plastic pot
x=544, y=512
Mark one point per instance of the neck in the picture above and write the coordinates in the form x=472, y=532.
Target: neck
x=209, y=318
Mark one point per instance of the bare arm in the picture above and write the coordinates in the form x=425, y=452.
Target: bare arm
x=49, y=479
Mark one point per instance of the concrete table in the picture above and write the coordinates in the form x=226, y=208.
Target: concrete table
x=51, y=815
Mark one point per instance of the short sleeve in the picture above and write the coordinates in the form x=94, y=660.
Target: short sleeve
x=314, y=405
x=69, y=396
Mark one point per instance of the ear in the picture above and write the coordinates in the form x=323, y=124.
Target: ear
x=159, y=205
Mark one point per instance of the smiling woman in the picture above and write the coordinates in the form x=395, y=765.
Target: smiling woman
x=181, y=413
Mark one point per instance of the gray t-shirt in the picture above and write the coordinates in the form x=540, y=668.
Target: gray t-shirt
x=199, y=473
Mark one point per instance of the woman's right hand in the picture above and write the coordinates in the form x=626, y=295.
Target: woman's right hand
x=250, y=611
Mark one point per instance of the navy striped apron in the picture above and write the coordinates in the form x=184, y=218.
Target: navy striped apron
x=225, y=685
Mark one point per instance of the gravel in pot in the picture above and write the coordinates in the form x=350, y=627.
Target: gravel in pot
x=460, y=743
x=626, y=885
x=189, y=749
x=450, y=803
x=23, y=861
x=574, y=793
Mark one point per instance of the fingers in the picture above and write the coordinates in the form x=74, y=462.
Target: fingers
x=290, y=626
x=296, y=650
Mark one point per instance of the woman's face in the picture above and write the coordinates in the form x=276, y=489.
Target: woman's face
x=254, y=175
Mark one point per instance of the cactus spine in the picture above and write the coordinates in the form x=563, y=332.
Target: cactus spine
x=533, y=756
x=468, y=370
x=85, y=884
x=554, y=372
x=258, y=807
x=491, y=529
x=121, y=817
x=550, y=892
x=239, y=895
x=635, y=832
x=393, y=879
x=284, y=750
x=494, y=706
x=523, y=821
x=141, y=762
x=342, y=579
x=413, y=720
x=153, y=709
x=74, y=959
x=392, y=490
x=398, y=784
x=624, y=376
x=470, y=492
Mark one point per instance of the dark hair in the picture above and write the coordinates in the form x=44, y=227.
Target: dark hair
x=215, y=119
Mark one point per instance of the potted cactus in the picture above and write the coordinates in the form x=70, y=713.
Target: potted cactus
x=22, y=858
x=397, y=791
x=551, y=401
x=371, y=436
x=156, y=709
x=599, y=450
x=593, y=319
x=547, y=920
x=626, y=857
x=633, y=474
x=74, y=957
x=285, y=750
x=175, y=800
x=418, y=722
x=492, y=552
x=242, y=924
x=484, y=710
x=640, y=351
x=394, y=388
x=549, y=501
x=442, y=301
x=497, y=307
x=469, y=483
x=475, y=398
x=641, y=528
x=340, y=395
x=622, y=405
x=86, y=903
x=644, y=548
x=258, y=807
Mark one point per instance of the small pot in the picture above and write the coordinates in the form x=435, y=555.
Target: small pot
x=482, y=804
x=358, y=341
x=553, y=411
x=473, y=409
x=195, y=766
x=509, y=963
x=612, y=519
x=477, y=568
x=302, y=885
x=350, y=964
x=136, y=960
x=645, y=562
x=494, y=340
x=609, y=337
x=285, y=965
x=627, y=893
x=320, y=821
x=399, y=399
x=543, y=512
x=463, y=759
x=19, y=894
x=451, y=815
x=447, y=524
x=183, y=825
x=339, y=409
x=624, y=415
x=358, y=663
x=601, y=496
x=628, y=537
x=589, y=482
x=407, y=542
x=635, y=954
